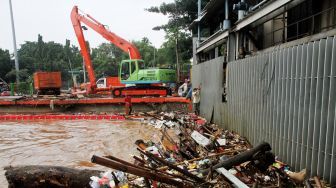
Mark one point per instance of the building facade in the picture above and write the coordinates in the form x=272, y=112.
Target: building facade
x=267, y=69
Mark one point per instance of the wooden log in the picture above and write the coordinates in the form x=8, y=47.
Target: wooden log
x=48, y=176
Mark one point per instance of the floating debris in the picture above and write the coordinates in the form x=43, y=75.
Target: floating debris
x=194, y=153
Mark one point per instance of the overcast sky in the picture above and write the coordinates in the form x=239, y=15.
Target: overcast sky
x=51, y=19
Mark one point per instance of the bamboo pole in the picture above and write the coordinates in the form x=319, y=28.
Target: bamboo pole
x=136, y=171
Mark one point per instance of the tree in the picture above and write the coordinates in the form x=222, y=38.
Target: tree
x=48, y=56
x=146, y=50
x=106, y=58
x=180, y=13
x=5, y=63
x=73, y=56
x=178, y=46
x=23, y=74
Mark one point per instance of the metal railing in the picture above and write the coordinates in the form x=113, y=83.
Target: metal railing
x=304, y=27
x=23, y=88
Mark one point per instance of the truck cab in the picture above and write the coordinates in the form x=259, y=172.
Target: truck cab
x=101, y=83
x=109, y=82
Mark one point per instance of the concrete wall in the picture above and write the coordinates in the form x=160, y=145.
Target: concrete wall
x=285, y=95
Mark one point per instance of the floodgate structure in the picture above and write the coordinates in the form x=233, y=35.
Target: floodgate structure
x=267, y=69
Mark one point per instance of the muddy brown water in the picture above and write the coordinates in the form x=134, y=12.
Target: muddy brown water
x=68, y=143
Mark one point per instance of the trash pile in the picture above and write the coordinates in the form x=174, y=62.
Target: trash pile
x=194, y=153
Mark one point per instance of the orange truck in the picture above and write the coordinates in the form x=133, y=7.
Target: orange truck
x=48, y=83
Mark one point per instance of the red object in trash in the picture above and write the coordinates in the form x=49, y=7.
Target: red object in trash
x=201, y=122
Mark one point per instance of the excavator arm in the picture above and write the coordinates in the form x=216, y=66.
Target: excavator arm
x=77, y=19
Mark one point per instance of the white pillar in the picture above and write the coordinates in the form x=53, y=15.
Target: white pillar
x=14, y=43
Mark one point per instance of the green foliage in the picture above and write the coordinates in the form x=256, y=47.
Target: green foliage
x=24, y=88
x=106, y=58
x=146, y=50
x=180, y=13
x=178, y=39
x=184, y=44
x=23, y=74
x=47, y=56
x=5, y=63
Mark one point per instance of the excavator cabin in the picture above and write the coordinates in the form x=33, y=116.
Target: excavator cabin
x=134, y=71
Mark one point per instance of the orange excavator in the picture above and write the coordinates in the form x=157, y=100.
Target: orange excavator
x=131, y=71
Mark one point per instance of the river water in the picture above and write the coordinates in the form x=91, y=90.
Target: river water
x=68, y=143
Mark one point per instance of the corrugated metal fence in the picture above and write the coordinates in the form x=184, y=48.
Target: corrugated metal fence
x=285, y=96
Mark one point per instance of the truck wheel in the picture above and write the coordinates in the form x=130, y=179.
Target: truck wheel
x=41, y=92
x=116, y=93
x=169, y=92
x=57, y=92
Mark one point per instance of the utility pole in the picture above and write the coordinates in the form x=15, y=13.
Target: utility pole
x=154, y=57
x=14, y=44
x=84, y=72
x=199, y=24
x=177, y=60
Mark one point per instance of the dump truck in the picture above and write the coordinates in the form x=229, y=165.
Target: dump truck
x=47, y=83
